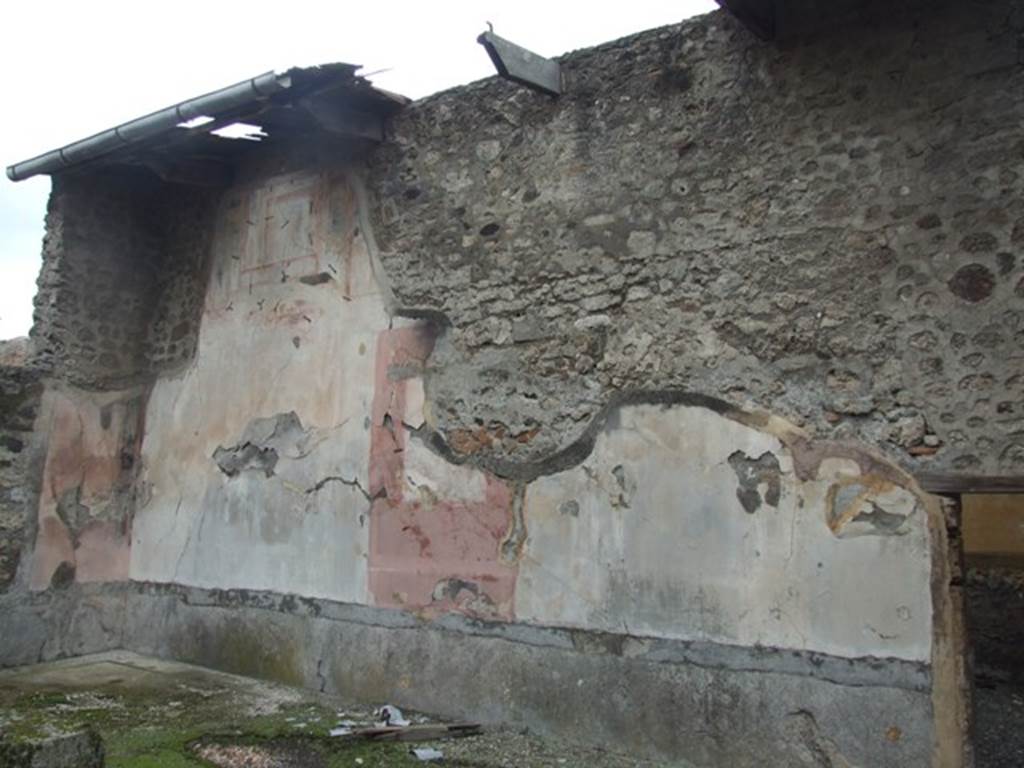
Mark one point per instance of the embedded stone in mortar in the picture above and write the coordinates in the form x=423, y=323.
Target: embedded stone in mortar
x=973, y=283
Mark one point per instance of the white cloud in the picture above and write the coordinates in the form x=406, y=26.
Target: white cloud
x=74, y=68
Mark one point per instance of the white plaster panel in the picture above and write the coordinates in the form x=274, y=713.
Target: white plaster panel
x=647, y=536
x=267, y=347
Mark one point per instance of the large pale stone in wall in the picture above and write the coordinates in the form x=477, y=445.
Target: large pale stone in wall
x=649, y=536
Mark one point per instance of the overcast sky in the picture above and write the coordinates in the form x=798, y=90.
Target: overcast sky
x=74, y=68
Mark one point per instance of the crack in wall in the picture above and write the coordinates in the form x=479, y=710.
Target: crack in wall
x=320, y=675
x=362, y=209
x=351, y=483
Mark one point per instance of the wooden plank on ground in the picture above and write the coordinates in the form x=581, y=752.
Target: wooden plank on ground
x=415, y=732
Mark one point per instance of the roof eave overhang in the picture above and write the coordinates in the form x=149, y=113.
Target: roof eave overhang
x=331, y=97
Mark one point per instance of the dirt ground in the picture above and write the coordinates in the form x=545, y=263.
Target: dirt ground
x=998, y=725
x=157, y=714
x=995, y=620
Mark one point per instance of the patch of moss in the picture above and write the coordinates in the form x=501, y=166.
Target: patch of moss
x=155, y=726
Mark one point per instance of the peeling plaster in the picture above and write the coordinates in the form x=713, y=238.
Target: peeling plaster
x=752, y=474
x=864, y=506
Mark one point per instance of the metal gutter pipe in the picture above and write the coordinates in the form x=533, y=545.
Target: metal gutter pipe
x=257, y=88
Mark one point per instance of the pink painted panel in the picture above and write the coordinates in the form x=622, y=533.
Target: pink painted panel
x=103, y=552
x=89, y=445
x=429, y=554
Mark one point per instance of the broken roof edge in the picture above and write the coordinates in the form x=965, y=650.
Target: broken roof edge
x=104, y=142
x=135, y=132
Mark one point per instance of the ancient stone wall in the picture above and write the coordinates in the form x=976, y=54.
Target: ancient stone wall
x=123, y=270
x=20, y=390
x=829, y=230
x=186, y=232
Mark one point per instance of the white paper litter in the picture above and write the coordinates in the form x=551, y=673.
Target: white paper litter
x=391, y=715
x=342, y=731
